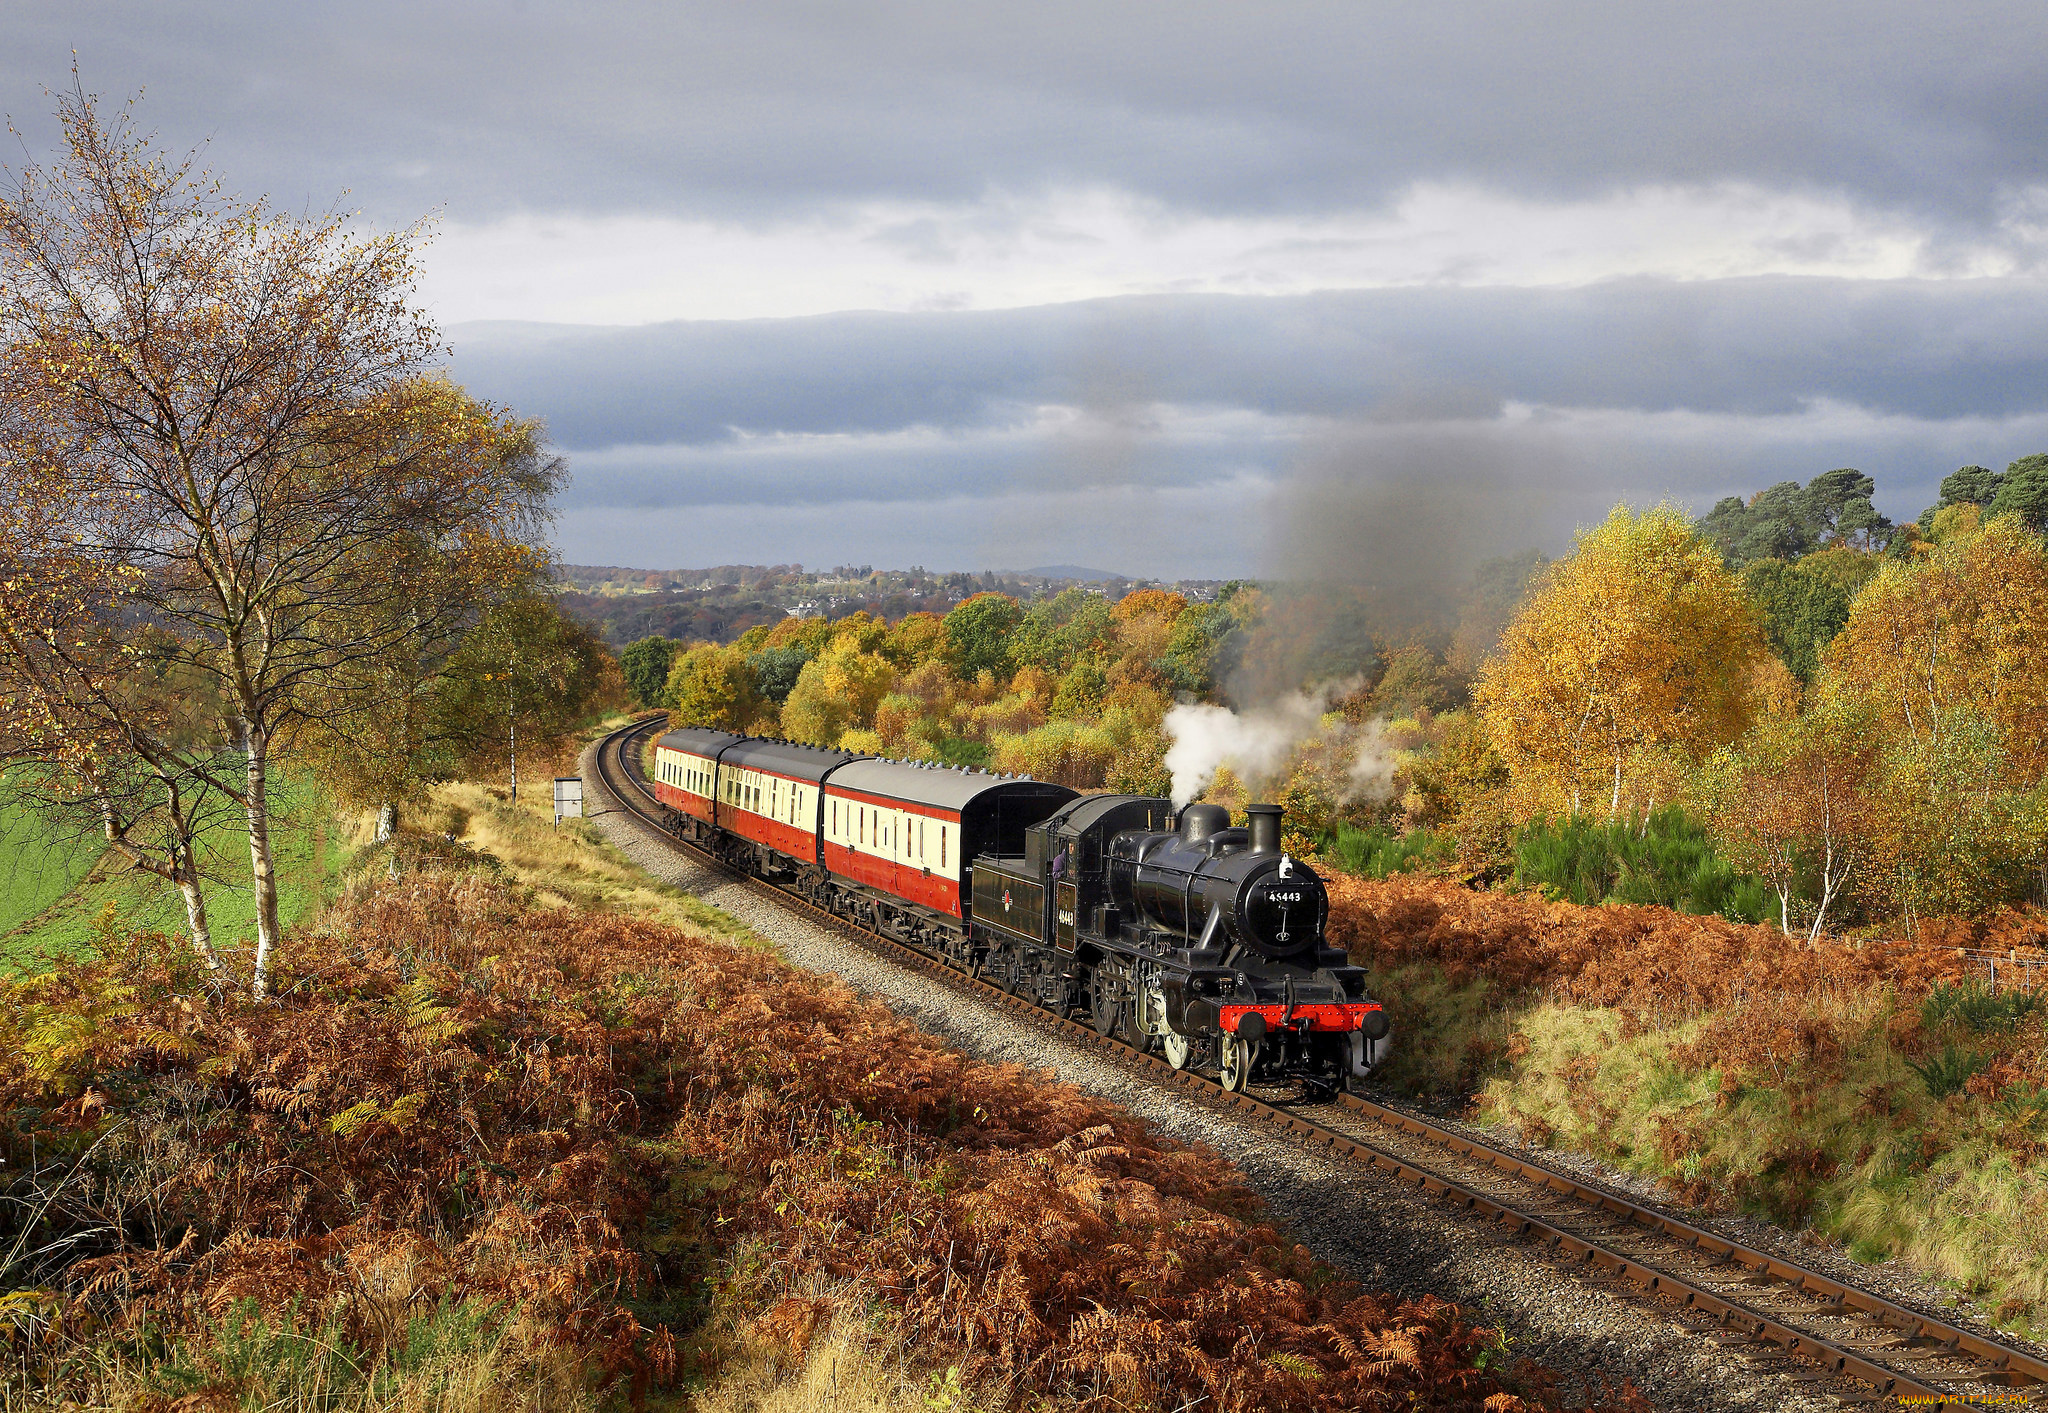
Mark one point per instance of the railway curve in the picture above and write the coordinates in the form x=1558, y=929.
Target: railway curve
x=1751, y=1301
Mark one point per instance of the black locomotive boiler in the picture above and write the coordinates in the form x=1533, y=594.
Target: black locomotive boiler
x=1173, y=931
x=1202, y=941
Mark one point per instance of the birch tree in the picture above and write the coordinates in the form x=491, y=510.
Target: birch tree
x=1639, y=640
x=1958, y=635
x=236, y=407
x=1794, y=806
x=92, y=735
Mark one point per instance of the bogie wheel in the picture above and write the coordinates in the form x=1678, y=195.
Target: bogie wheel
x=1238, y=1057
x=1180, y=1051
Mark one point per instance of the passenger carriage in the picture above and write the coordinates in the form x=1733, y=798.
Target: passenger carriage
x=686, y=777
x=902, y=837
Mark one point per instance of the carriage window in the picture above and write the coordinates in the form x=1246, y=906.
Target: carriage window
x=863, y=824
x=942, y=846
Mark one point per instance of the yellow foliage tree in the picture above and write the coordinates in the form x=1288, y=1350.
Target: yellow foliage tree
x=1962, y=631
x=1144, y=621
x=920, y=638
x=714, y=687
x=1793, y=805
x=838, y=691
x=1639, y=640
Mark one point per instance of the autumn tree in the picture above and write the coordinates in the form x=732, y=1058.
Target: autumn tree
x=714, y=687
x=839, y=691
x=526, y=672
x=235, y=406
x=1639, y=639
x=918, y=639
x=1794, y=805
x=1144, y=621
x=1961, y=633
x=1958, y=828
x=98, y=733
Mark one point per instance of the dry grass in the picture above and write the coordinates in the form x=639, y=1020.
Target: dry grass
x=572, y=866
x=243, y=1362
x=1749, y=1071
x=656, y=1145
x=852, y=1365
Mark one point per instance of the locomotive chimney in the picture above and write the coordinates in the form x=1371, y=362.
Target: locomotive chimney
x=1265, y=822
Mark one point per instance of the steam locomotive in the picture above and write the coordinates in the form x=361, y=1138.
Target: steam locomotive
x=1170, y=930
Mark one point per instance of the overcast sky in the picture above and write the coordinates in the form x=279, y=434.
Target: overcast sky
x=1144, y=285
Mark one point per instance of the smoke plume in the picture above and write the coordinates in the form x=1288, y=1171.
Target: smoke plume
x=1371, y=776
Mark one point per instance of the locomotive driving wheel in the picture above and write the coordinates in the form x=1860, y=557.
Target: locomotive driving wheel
x=1179, y=1050
x=1105, y=1011
x=1238, y=1057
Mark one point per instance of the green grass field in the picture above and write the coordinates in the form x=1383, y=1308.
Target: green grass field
x=54, y=890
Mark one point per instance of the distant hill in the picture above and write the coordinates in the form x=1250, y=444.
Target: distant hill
x=1072, y=571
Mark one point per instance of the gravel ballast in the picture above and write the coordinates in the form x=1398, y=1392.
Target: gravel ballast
x=1384, y=1235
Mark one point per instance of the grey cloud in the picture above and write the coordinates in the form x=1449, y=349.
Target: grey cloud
x=1926, y=350
x=1337, y=500
x=752, y=110
x=804, y=436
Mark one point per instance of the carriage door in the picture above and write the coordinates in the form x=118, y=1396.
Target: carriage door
x=1066, y=901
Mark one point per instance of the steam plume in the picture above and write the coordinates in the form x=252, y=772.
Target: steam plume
x=1256, y=743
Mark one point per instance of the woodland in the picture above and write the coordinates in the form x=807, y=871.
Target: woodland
x=457, y=1110
x=1713, y=850
x=1843, y=733
x=1681, y=850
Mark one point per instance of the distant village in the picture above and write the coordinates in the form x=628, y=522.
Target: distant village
x=722, y=602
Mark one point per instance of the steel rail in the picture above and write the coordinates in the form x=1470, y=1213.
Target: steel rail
x=2004, y=1365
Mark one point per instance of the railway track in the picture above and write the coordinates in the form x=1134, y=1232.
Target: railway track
x=1837, y=1336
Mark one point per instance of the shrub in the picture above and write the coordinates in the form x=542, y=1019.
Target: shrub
x=1949, y=1071
x=1376, y=853
x=655, y=1145
x=1667, y=860
x=1977, y=1008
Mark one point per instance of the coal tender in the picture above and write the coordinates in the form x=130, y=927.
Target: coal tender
x=1181, y=935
